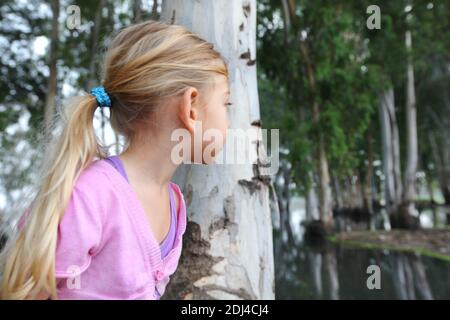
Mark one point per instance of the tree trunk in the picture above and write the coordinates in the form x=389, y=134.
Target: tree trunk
x=338, y=194
x=441, y=172
x=93, y=77
x=286, y=217
x=441, y=155
x=446, y=173
x=228, y=249
x=312, y=208
x=154, y=14
x=409, y=190
x=52, y=79
x=325, y=200
x=368, y=181
x=284, y=203
x=429, y=184
x=137, y=11
x=325, y=197
x=391, y=151
x=95, y=31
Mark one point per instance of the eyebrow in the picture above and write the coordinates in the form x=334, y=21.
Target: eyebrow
x=228, y=92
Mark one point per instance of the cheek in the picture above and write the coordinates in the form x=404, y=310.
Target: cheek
x=217, y=119
x=223, y=124
x=224, y=129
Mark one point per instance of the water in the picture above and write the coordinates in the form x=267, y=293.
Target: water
x=333, y=271
x=337, y=272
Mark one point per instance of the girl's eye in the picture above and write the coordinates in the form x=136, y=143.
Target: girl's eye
x=228, y=104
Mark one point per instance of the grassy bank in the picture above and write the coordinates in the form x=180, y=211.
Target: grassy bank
x=428, y=242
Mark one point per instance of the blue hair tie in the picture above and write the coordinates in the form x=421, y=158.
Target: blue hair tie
x=102, y=97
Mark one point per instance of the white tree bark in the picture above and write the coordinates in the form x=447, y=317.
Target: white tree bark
x=409, y=193
x=391, y=150
x=227, y=249
x=312, y=202
x=326, y=200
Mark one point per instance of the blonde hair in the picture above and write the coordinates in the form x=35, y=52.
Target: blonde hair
x=145, y=64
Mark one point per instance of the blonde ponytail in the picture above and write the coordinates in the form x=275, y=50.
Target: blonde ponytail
x=28, y=259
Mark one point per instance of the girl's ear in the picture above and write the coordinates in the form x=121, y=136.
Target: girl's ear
x=187, y=113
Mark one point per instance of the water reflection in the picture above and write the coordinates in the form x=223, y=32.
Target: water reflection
x=337, y=272
x=410, y=277
x=329, y=271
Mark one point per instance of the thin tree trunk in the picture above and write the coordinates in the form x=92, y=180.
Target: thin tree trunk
x=284, y=201
x=446, y=173
x=287, y=20
x=429, y=182
x=325, y=200
x=286, y=222
x=95, y=31
x=444, y=181
x=368, y=183
x=93, y=77
x=391, y=151
x=312, y=205
x=357, y=191
x=325, y=197
x=409, y=190
x=154, y=15
x=137, y=11
x=311, y=201
x=50, y=108
x=227, y=248
x=352, y=194
x=338, y=193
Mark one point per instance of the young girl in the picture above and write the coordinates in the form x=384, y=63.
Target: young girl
x=111, y=227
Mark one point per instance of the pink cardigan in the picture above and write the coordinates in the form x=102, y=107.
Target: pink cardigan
x=105, y=248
